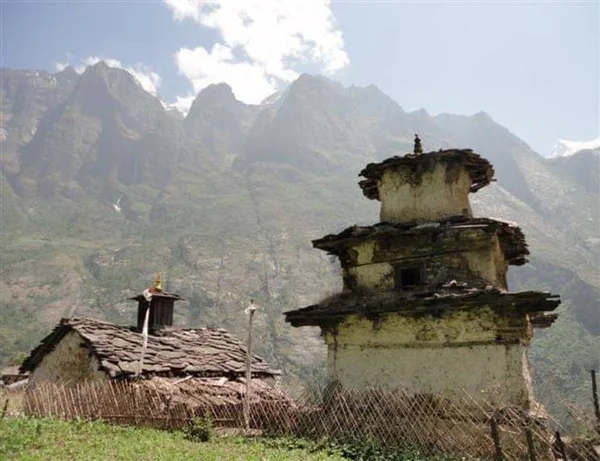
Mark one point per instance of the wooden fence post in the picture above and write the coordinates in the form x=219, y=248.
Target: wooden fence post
x=530, y=444
x=561, y=446
x=246, y=402
x=4, y=409
x=595, y=397
x=498, y=456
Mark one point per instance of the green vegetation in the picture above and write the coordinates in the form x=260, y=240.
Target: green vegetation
x=201, y=430
x=355, y=450
x=42, y=439
x=564, y=355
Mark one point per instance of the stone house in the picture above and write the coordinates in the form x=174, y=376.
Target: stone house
x=210, y=361
x=425, y=305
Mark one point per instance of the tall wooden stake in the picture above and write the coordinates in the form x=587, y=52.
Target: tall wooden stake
x=560, y=445
x=250, y=311
x=145, y=341
x=595, y=397
x=4, y=408
x=498, y=456
x=530, y=443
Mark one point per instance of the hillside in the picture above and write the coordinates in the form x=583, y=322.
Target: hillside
x=102, y=187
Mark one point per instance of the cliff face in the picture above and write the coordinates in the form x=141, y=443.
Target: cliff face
x=101, y=187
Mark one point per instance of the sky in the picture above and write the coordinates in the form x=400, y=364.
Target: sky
x=532, y=66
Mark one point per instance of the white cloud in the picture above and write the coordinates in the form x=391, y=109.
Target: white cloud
x=261, y=43
x=183, y=9
x=148, y=80
x=181, y=104
x=248, y=81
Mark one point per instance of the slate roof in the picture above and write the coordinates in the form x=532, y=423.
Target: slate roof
x=512, y=239
x=434, y=301
x=480, y=169
x=10, y=371
x=199, y=392
x=202, y=352
x=158, y=294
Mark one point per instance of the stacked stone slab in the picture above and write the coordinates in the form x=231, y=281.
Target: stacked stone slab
x=425, y=305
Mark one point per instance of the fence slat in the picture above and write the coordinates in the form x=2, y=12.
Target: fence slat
x=397, y=420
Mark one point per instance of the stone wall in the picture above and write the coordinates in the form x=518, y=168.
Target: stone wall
x=70, y=361
x=428, y=196
x=462, y=352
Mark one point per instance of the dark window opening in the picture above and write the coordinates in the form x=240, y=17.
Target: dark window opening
x=409, y=276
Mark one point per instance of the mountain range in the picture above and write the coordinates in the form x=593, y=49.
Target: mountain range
x=102, y=186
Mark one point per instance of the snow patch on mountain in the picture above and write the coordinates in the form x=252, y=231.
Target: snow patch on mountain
x=564, y=148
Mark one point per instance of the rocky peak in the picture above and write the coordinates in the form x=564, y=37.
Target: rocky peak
x=482, y=117
x=102, y=88
x=68, y=72
x=219, y=121
x=213, y=99
x=27, y=96
x=219, y=93
x=374, y=102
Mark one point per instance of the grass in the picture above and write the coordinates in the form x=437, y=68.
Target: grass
x=45, y=439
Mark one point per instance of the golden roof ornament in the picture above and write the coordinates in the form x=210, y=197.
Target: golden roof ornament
x=158, y=283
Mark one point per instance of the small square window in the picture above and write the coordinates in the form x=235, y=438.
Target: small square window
x=409, y=276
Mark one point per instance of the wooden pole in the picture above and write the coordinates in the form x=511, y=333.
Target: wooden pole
x=498, y=456
x=530, y=444
x=4, y=409
x=595, y=397
x=145, y=341
x=561, y=447
x=250, y=311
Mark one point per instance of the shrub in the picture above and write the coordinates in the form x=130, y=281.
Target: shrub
x=200, y=429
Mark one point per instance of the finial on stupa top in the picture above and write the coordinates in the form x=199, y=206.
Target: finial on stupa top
x=158, y=283
x=418, y=148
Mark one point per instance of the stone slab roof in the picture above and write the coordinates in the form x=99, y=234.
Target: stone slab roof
x=10, y=371
x=512, y=239
x=158, y=294
x=480, y=169
x=203, y=352
x=200, y=392
x=434, y=301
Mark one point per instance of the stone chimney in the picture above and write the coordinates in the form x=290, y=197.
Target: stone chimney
x=161, y=306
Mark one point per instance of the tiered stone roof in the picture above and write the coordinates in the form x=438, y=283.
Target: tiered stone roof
x=479, y=168
x=512, y=239
x=440, y=301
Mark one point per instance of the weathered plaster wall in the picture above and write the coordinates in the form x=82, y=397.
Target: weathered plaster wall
x=446, y=355
x=477, y=256
x=465, y=327
x=418, y=244
x=69, y=361
x=428, y=195
x=499, y=263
